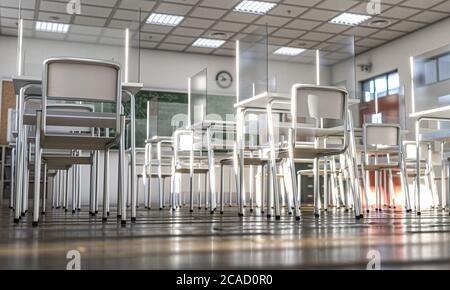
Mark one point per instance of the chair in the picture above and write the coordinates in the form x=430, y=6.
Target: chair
x=383, y=152
x=74, y=79
x=426, y=166
x=317, y=112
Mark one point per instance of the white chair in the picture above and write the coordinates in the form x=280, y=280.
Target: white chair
x=383, y=152
x=317, y=112
x=74, y=79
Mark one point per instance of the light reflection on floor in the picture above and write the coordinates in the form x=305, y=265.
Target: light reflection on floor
x=180, y=240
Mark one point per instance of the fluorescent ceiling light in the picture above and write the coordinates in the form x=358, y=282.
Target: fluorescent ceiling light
x=254, y=7
x=208, y=43
x=350, y=19
x=290, y=51
x=164, y=19
x=52, y=27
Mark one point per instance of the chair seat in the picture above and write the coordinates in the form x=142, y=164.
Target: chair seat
x=74, y=118
x=55, y=162
x=196, y=170
x=380, y=166
x=254, y=161
x=81, y=142
x=311, y=153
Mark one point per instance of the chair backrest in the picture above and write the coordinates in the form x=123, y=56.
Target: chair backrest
x=411, y=152
x=77, y=79
x=319, y=102
x=319, y=107
x=82, y=79
x=382, y=135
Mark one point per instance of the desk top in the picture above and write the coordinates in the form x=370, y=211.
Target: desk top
x=260, y=101
x=442, y=112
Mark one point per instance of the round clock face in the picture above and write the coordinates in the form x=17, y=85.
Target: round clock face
x=224, y=79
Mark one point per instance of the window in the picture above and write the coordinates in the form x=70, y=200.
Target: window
x=430, y=72
x=433, y=70
x=393, y=83
x=381, y=86
x=444, y=67
x=377, y=118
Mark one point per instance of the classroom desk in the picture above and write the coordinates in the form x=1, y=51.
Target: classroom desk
x=280, y=103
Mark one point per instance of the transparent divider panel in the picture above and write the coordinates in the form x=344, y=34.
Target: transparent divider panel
x=253, y=64
x=431, y=80
x=287, y=69
x=198, y=97
x=43, y=39
x=166, y=112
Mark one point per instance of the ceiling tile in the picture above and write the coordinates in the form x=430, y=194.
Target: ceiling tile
x=308, y=3
x=429, y=16
x=421, y=4
x=229, y=26
x=175, y=47
x=145, y=5
x=209, y=13
x=180, y=39
x=318, y=36
x=407, y=26
x=91, y=21
x=444, y=7
x=387, y=34
x=224, y=4
x=272, y=20
x=333, y=28
x=197, y=22
x=289, y=33
x=340, y=5
x=184, y=31
x=400, y=12
x=303, y=24
x=240, y=17
x=317, y=14
x=287, y=10
x=175, y=9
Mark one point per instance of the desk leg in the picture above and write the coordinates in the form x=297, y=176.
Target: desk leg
x=212, y=171
x=443, y=175
x=418, y=166
x=122, y=166
x=20, y=159
x=133, y=179
x=273, y=165
x=240, y=159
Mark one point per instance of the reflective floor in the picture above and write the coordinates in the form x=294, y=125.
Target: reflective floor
x=181, y=240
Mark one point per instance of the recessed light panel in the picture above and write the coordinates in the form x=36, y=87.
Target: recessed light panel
x=289, y=51
x=254, y=7
x=164, y=19
x=208, y=43
x=350, y=19
x=52, y=27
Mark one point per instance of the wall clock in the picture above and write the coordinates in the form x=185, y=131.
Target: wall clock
x=224, y=79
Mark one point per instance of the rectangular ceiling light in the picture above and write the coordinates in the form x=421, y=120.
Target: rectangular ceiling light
x=164, y=19
x=350, y=19
x=254, y=7
x=289, y=51
x=208, y=43
x=52, y=27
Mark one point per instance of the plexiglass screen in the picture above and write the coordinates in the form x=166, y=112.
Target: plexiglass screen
x=253, y=64
x=431, y=79
x=43, y=39
x=198, y=97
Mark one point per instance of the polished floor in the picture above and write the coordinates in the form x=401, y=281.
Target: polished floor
x=181, y=240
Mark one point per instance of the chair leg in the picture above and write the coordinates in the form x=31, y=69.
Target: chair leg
x=105, y=185
x=45, y=191
x=92, y=186
x=316, y=187
x=37, y=170
x=222, y=187
x=149, y=191
x=66, y=192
